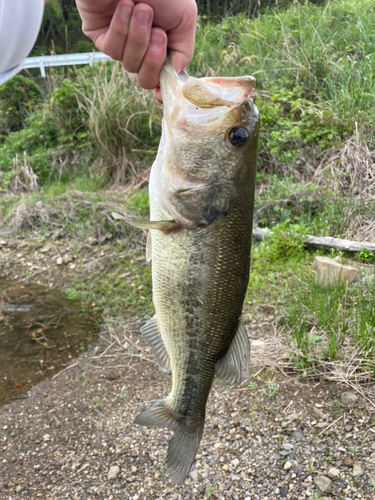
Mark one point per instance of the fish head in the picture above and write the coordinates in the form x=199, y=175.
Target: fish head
x=207, y=155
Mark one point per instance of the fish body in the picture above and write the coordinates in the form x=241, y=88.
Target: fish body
x=201, y=204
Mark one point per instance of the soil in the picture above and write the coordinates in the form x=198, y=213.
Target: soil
x=276, y=436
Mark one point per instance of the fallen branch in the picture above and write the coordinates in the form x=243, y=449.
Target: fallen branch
x=322, y=242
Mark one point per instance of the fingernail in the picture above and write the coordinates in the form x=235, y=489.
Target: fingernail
x=157, y=39
x=143, y=18
x=126, y=12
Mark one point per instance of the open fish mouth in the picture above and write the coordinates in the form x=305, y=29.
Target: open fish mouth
x=191, y=102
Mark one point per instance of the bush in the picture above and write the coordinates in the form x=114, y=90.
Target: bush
x=19, y=97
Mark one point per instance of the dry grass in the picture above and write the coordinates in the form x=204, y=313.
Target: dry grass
x=122, y=119
x=73, y=214
x=349, y=169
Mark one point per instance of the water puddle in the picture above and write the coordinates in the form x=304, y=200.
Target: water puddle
x=40, y=332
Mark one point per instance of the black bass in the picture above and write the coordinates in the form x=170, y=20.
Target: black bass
x=201, y=203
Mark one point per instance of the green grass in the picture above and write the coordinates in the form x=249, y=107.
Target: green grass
x=328, y=322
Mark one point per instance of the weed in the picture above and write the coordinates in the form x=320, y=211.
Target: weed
x=210, y=489
x=366, y=255
x=270, y=389
x=85, y=380
x=96, y=401
x=252, y=385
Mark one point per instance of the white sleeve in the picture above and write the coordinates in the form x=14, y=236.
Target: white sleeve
x=20, y=22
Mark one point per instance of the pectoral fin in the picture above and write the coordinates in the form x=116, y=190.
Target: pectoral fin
x=233, y=367
x=166, y=226
x=150, y=332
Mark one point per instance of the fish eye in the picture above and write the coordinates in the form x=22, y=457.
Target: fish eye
x=237, y=136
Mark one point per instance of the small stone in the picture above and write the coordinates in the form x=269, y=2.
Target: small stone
x=235, y=462
x=293, y=416
x=18, y=488
x=113, y=472
x=283, y=491
x=46, y=437
x=194, y=474
x=288, y=447
x=348, y=427
x=287, y=465
x=222, y=487
x=334, y=472
x=349, y=462
x=92, y=241
x=357, y=470
x=324, y=484
x=59, y=261
x=348, y=398
x=296, y=436
x=67, y=258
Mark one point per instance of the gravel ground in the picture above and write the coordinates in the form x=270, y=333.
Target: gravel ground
x=73, y=438
x=277, y=436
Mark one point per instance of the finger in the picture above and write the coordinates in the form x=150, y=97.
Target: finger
x=113, y=41
x=181, y=39
x=148, y=75
x=138, y=37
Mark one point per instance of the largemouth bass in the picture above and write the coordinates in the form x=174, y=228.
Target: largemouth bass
x=201, y=203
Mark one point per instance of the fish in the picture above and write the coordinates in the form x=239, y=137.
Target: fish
x=201, y=193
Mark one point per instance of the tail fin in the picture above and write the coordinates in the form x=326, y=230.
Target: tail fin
x=184, y=444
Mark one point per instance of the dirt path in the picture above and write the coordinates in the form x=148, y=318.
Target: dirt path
x=276, y=437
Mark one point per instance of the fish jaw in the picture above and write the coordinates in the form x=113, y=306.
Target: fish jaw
x=198, y=174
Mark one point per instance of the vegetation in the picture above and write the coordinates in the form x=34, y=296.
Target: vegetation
x=93, y=128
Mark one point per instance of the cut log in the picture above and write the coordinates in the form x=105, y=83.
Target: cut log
x=322, y=242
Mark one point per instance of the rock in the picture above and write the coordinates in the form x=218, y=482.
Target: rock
x=329, y=272
x=357, y=470
x=349, y=462
x=92, y=241
x=59, y=261
x=235, y=462
x=113, y=472
x=324, y=484
x=46, y=437
x=334, y=472
x=288, y=447
x=287, y=465
x=194, y=474
x=348, y=398
x=18, y=488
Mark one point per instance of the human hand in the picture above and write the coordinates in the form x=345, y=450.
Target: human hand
x=137, y=33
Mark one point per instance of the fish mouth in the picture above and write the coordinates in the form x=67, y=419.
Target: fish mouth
x=190, y=101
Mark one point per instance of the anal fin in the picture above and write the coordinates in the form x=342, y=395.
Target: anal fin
x=233, y=367
x=150, y=332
